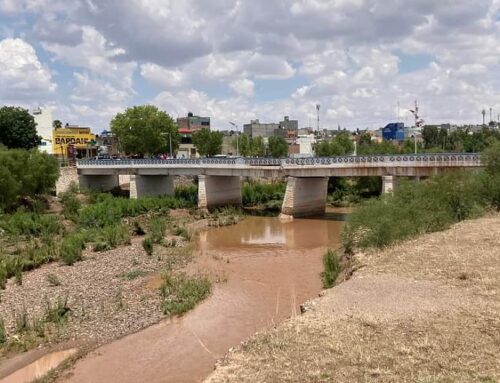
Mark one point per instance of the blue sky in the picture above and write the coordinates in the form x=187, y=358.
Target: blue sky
x=237, y=60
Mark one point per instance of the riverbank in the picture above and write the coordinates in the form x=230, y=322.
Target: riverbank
x=426, y=310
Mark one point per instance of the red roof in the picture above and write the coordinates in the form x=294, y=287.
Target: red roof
x=185, y=131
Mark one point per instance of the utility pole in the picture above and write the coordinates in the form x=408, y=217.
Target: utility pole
x=237, y=140
x=483, y=112
x=491, y=114
x=317, y=124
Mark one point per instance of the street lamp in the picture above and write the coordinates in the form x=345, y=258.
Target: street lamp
x=237, y=134
x=170, y=142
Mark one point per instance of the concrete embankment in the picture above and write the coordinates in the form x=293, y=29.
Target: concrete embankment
x=426, y=310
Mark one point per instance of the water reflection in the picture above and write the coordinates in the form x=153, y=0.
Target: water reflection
x=38, y=368
x=271, y=232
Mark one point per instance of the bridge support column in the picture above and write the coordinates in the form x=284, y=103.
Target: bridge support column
x=142, y=186
x=389, y=183
x=216, y=191
x=98, y=182
x=305, y=196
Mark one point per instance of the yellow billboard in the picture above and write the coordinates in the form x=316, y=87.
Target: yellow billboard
x=79, y=138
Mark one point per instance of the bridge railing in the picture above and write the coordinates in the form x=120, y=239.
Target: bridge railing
x=312, y=161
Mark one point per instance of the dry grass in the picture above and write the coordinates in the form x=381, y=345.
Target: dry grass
x=424, y=311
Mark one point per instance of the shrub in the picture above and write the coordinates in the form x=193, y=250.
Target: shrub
x=137, y=229
x=3, y=332
x=257, y=193
x=147, y=244
x=180, y=293
x=332, y=268
x=58, y=311
x=71, y=249
x=157, y=229
x=413, y=209
x=71, y=205
x=30, y=224
x=188, y=193
x=53, y=280
x=133, y=274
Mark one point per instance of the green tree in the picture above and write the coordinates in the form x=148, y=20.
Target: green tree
x=208, y=143
x=145, y=129
x=18, y=128
x=278, y=147
x=257, y=146
x=341, y=145
x=25, y=173
x=57, y=124
x=491, y=158
x=250, y=147
x=430, y=135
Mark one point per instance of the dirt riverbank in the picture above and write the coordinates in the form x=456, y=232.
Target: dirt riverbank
x=426, y=311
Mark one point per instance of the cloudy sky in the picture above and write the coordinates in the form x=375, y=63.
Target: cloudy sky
x=236, y=60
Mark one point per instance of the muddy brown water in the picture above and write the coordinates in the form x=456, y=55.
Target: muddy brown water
x=267, y=268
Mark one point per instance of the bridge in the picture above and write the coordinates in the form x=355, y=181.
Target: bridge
x=219, y=179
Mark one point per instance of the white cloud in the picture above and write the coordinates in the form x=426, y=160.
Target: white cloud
x=243, y=87
x=163, y=77
x=22, y=76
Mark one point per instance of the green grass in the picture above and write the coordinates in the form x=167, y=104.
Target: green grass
x=53, y=280
x=254, y=193
x=133, y=274
x=331, y=269
x=180, y=293
x=57, y=312
x=3, y=332
x=71, y=249
x=147, y=245
x=24, y=223
x=157, y=227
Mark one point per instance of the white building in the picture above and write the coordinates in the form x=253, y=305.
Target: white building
x=306, y=144
x=43, y=119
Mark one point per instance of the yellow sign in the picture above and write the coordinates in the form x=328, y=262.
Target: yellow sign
x=80, y=138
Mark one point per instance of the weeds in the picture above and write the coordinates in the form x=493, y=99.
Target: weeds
x=71, y=249
x=58, y=311
x=53, y=280
x=257, y=193
x=147, y=244
x=332, y=269
x=133, y=274
x=157, y=229
x=3, y=332
x=180, y=293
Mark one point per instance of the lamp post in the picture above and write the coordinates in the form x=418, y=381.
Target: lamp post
x=237, y=134
x=170, y=142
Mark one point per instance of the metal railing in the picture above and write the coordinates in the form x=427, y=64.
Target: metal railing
x=312, y=161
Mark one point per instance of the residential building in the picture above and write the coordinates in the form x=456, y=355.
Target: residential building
x=193, y=123
x=107, y=143
x=291, y=125
x=257, y=129
x=43, y=120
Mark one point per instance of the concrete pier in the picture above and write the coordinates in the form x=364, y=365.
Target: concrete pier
x=151, y=185
x=216, y=191
x=98, y=182
x=389, y=183
x=305, y=196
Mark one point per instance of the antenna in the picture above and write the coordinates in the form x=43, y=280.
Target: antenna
x=491, y=111
x=483, y=112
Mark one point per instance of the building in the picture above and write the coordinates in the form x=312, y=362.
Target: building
x=73, y=142
x=43, y=120
x=186, y=148
x=193, y=123
x=395, y=131
x=291, y=125
x=257, y=129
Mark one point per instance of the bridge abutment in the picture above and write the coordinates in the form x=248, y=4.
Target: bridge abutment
x=151, y=185
x=98, y=182
x=389, y=183
x=305, y=196
x=216, y=191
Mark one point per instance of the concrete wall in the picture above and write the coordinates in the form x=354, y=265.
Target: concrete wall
x=216, y=191
x=99, y=183
x=389, y=183
x=305, y=196
x=142, y=186
x=67, y=176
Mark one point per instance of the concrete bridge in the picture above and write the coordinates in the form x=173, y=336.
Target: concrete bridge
x=307, y=178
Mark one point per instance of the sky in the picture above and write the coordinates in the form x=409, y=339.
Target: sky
x=237, y=60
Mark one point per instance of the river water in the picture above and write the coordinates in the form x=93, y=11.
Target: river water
x=267, y=268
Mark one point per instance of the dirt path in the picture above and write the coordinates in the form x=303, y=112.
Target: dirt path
x=425, y=311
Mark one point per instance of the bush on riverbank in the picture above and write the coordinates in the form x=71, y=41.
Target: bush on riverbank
x=180, y=293
x=417, y=208
x=269, y=195
x=331, y=269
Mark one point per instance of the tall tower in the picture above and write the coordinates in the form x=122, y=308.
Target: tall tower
x=483, y=112
x=491, y=114
x=317, y=122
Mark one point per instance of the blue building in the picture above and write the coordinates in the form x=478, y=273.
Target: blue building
x=395, y=131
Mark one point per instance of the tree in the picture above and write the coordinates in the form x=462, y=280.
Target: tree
x=250, y=147
x=430, y=135
x=208, y=143
x=341, y=145
x=25, y=173
x=57, y=124
x=18, y=128
x=145, y=129
x=278, y=147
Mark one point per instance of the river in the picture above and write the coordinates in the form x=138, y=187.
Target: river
x=266, y=268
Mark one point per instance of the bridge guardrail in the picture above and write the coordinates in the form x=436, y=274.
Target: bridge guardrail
x=318, y=161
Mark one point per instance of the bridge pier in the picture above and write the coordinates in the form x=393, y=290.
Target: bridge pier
x=305, y=196
x=98, y=182
x=151, y=185
x=389, y=183
x=216, y=191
